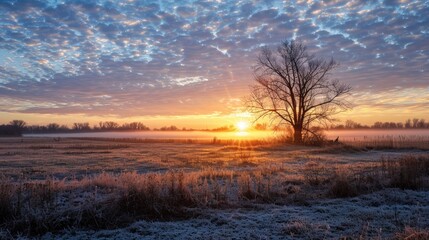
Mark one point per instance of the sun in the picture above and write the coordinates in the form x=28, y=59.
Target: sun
x=242, y=126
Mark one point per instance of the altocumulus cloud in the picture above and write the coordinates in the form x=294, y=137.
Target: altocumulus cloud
x=184, y=57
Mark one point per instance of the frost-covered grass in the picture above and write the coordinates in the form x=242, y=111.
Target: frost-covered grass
x=139, y=188
x=390, y=142
x=381, y=215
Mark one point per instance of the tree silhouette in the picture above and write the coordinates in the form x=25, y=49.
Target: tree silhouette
x=81, y=126
x=52, y=127
x=19, y=124
x=294, y=87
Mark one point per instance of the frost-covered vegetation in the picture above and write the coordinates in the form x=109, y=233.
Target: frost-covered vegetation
x=130, y=189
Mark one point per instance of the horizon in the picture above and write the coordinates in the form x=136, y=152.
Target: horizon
x=189, y=64
x=241, y=126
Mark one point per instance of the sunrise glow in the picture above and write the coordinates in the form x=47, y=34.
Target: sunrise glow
x=242, y=126
x=214, y=119
x=189, y=63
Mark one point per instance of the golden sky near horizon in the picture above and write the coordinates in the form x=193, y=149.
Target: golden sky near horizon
x=365, y=113
x=188, y=63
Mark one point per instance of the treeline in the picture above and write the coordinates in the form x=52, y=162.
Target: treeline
x=86, y=127
x=17, y=127
x=408, y=124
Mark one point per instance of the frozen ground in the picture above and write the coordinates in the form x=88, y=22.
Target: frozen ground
x=36, y=158
x=314, y=215
x=368, y=216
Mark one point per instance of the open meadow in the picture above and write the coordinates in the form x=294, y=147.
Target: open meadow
x=214, y=120
x=137, y=188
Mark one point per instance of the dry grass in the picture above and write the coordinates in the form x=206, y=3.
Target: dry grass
x=135, y=180
x=107, y=200
x=315, y=172
x=97, y=146
x=110, y=200
x=410, y=233
x=303, y=229
x=390, y=142
x=407, y=172
x=160, y=196
x=216, y=141
x=7, y=191
x=342, y=185
x=340, y=148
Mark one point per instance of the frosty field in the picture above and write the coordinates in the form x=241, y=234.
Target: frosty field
x=77, y=188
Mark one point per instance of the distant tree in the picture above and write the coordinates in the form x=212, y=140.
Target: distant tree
x=408, y=123
x=260, y=126
x=110, y=125
x=19, y=124
x=81, y=126
x=350, y=124
x=136, y=126
x=52, y=127
x=421, y=123
x=225, y=128
x=377, y=125
x=9, y=131
x=64, y=128
x=415, y=122
x=294, y=87
x=170, y=128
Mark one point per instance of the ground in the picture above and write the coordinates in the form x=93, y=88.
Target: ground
x=367, y=216
x=273, y=191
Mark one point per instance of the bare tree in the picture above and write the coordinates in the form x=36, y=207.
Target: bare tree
x=415, y=122
x=408, y=123
x=135, y=126
x=19, y=124
x=294, y=87
x=52, y=127
x=81, y=126
x=111, y=125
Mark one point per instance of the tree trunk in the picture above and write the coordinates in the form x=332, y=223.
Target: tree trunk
x=297, y=135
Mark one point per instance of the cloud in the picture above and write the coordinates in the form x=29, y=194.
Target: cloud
x=188, y=80
x=163, y=57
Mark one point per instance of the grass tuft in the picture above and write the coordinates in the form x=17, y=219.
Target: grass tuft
x=413, y=234
x=407, y=172
x=343, y=185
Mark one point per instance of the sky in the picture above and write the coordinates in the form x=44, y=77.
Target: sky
x=189, y=63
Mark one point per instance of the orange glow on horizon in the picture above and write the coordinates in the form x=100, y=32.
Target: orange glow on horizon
x=363, y=114
x=242, y=126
